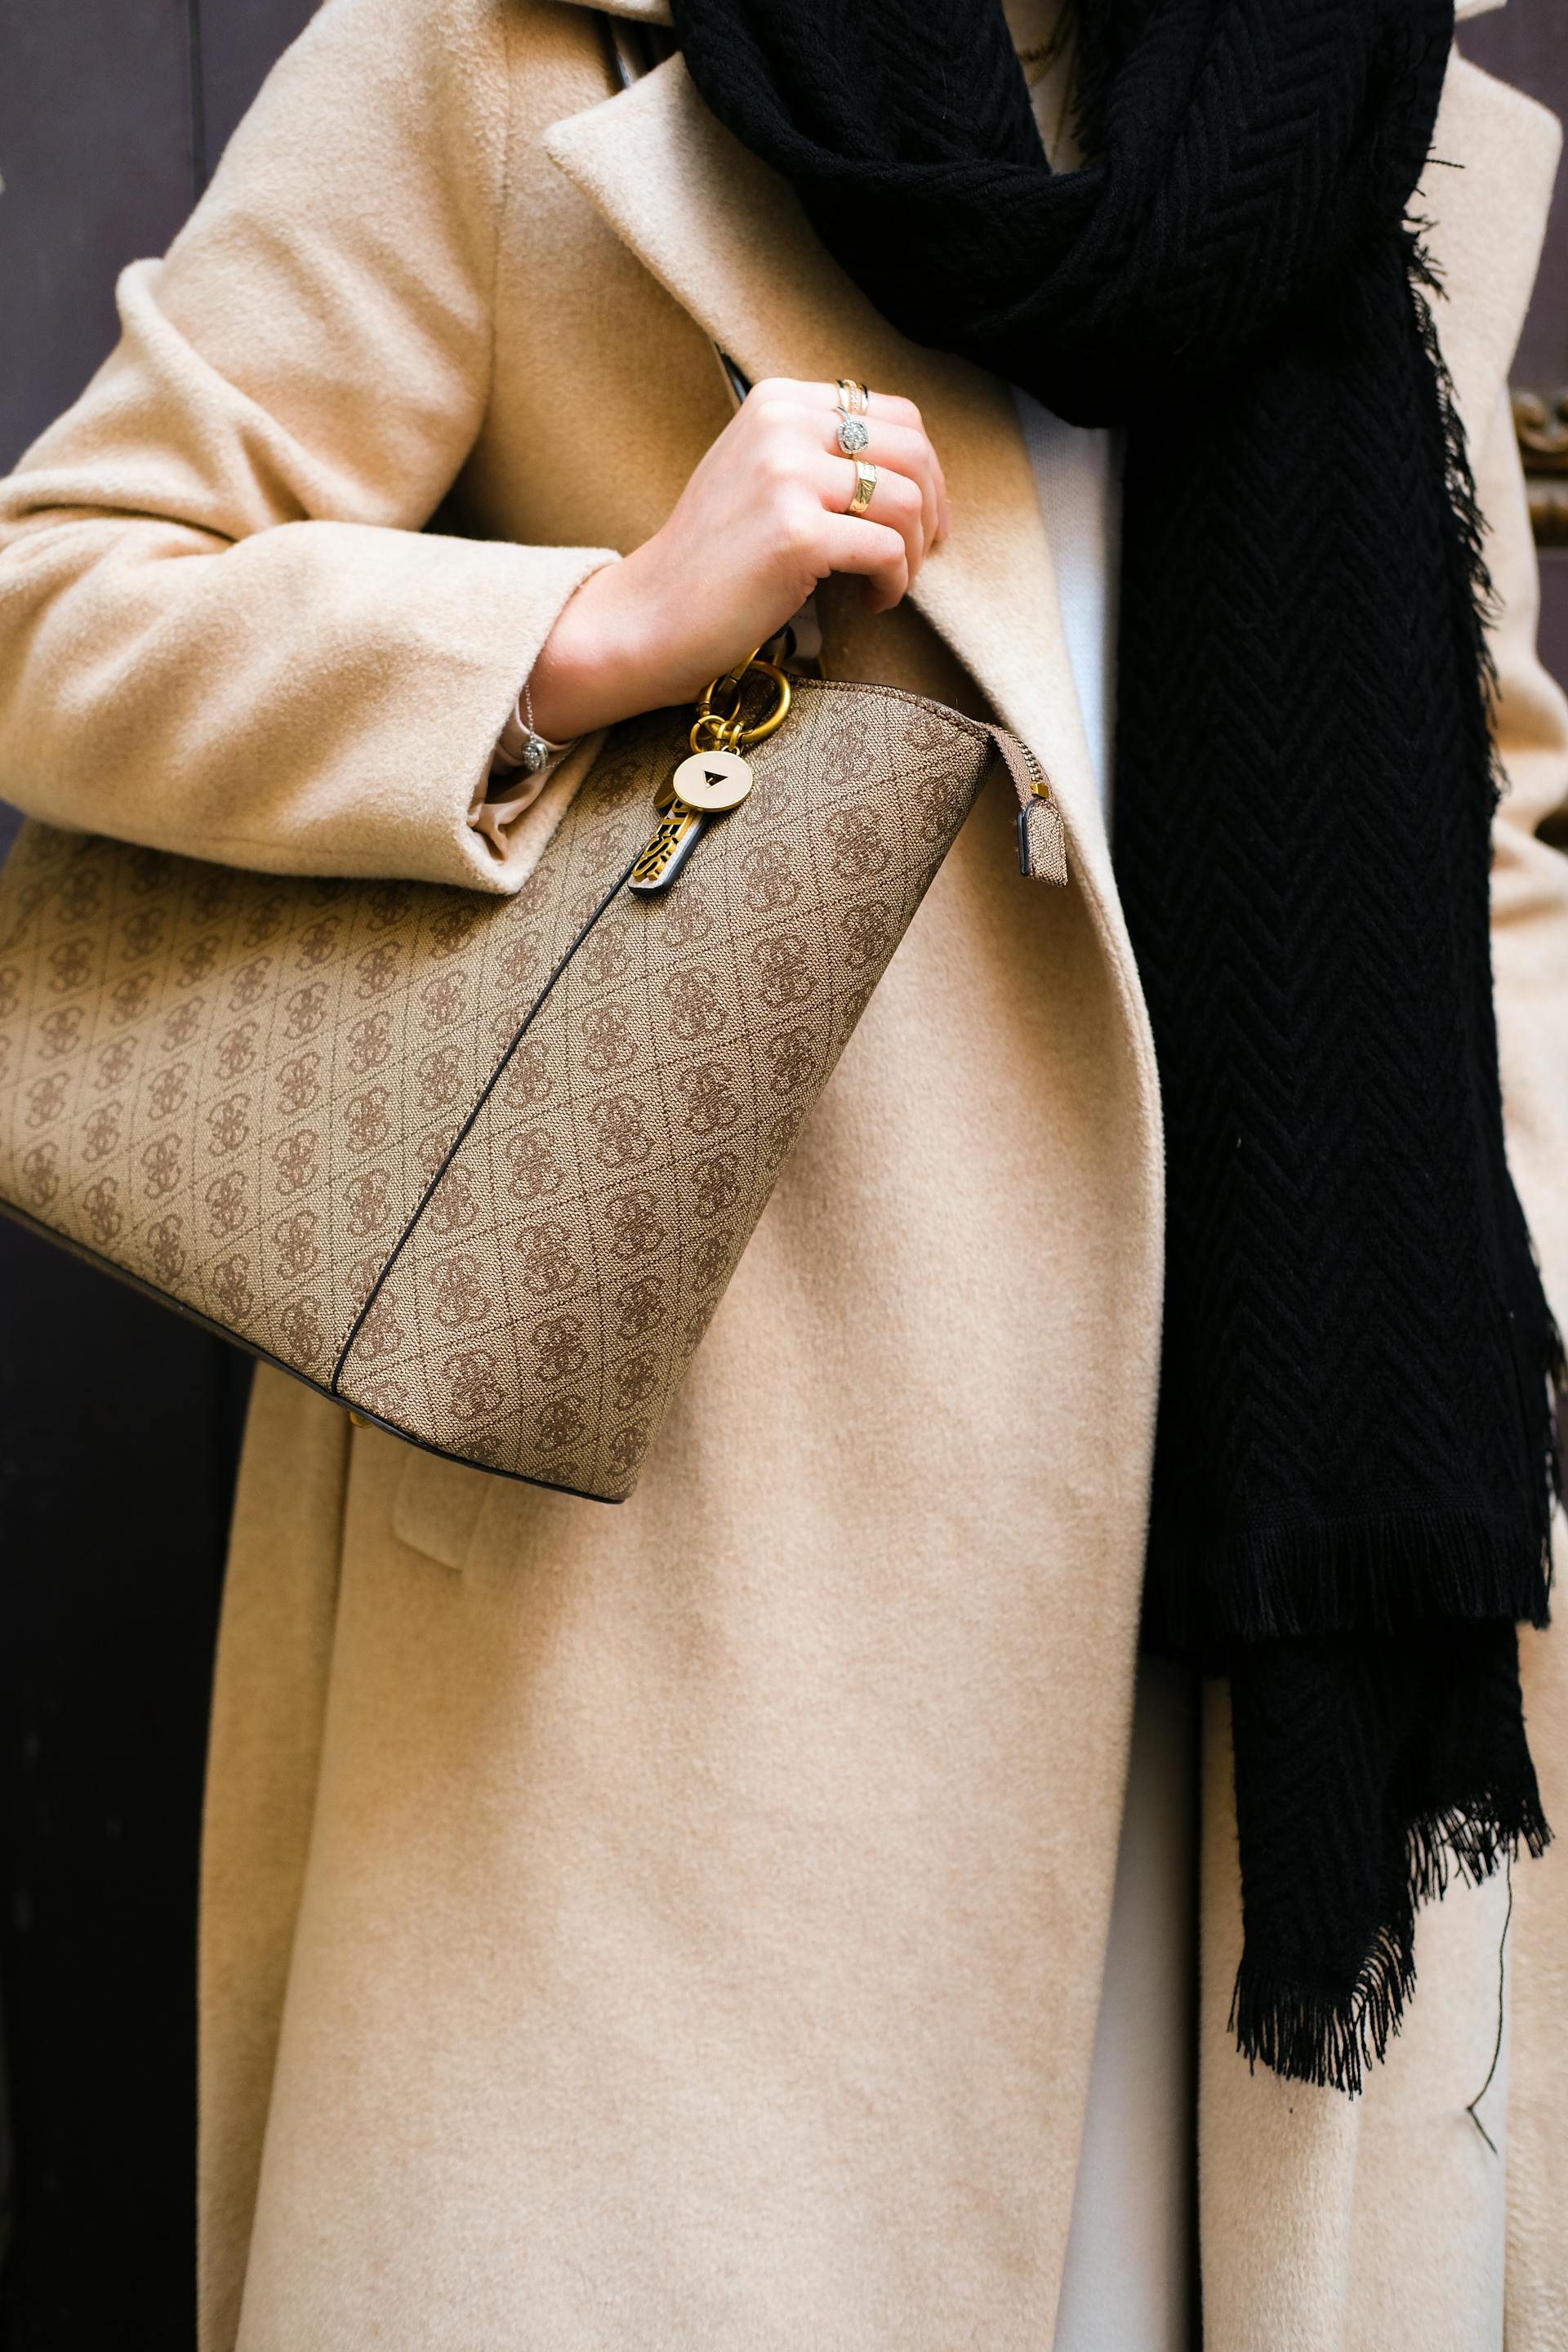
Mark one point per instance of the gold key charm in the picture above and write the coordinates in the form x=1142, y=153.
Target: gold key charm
x=705, y=785
x=714, y=778
x=713, y=781
x=669, y=850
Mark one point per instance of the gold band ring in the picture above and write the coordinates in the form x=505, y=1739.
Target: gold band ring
x=865, y=484
x=854, y=396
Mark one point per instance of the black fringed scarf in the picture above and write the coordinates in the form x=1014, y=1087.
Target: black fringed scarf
x=1352, y=1481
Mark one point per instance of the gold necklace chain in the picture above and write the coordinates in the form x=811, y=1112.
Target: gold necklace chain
x=1037, y=60
x=1041, y=55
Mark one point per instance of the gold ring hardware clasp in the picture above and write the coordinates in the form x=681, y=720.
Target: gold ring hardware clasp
x=726, y=729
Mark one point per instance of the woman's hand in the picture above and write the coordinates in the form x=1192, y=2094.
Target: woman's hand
x=759, y=524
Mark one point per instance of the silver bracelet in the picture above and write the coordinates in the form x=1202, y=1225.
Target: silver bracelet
x=535, y=749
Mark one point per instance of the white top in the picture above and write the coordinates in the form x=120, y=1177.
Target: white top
x=1127, y=2283
x=1078, y=481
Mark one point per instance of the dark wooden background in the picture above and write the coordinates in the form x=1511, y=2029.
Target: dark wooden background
x=119, y=1426
x=1527, y=43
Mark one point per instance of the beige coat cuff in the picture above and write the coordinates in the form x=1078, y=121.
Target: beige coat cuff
x=318, y=697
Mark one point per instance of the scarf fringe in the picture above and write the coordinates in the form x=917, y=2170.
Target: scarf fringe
x=1329, y=2040
x=1320, y=2038
x=1328, y=1576
x=1426, y=286
x=1473, y=1841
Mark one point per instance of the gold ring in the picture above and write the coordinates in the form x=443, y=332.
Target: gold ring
x=854, y=396
x=865, y=484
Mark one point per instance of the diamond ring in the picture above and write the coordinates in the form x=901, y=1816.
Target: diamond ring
x=854, y=434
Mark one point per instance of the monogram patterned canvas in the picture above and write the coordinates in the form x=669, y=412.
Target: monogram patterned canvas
x=480, y=1167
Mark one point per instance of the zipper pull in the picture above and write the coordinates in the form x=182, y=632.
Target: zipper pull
x=1042, y=835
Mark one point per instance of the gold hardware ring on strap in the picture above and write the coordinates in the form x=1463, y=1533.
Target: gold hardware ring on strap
x=720, y=732
x=865, y=487
x=727, y=729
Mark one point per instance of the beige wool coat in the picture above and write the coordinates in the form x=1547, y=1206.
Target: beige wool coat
x=679, y=1928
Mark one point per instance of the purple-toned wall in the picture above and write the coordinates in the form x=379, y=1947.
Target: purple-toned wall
x=113, y=113
x=1527, y=43
x=119, y=1425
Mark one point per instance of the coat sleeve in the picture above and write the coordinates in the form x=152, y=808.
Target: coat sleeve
x=224, y=630
x=1530, y=874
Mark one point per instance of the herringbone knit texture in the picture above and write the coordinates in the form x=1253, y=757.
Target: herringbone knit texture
x=1354, y=1476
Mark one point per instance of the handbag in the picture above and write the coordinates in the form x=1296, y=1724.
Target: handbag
x=480, y=1168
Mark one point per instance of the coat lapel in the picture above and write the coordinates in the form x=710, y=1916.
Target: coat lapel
x=726, y=236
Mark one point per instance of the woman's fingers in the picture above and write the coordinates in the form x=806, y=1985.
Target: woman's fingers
x=762, y=518
x=897, y=503
x=889, y=404
x=898, y=440
x=891, y=409
x=856, y=543
x=897, y=448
